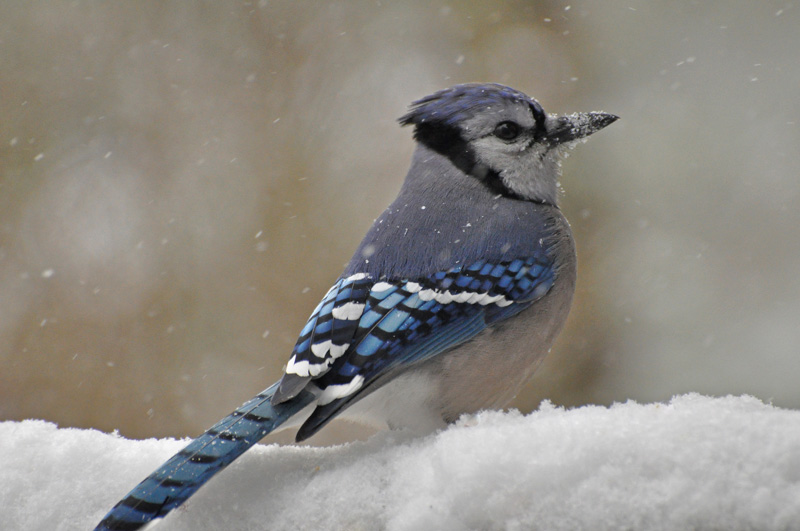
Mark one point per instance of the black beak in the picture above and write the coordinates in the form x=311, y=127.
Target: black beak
x=563, y=129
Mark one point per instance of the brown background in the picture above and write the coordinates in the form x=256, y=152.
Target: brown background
x=181, y=182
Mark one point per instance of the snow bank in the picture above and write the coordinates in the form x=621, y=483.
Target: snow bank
x=695, y=463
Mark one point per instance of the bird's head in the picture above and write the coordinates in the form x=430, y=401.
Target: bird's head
x=501, y=136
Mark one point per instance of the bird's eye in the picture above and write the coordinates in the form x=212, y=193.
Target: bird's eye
x=506, y=131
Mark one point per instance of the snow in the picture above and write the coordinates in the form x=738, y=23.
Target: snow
x=694, y=463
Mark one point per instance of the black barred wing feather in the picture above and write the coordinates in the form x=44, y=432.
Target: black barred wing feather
x=326, y=336
x=328, y=333
x=188, y=470
x=404, y=322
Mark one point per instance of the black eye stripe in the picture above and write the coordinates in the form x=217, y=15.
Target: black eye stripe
x=540, y=117
x=538, y=113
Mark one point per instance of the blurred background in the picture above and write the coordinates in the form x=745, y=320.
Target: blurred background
x=180, y=183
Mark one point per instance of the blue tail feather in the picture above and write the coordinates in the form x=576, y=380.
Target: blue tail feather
x=188, y=470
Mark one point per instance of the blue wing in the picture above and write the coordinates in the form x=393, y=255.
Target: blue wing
x=361, y=330
x=327, y=335
x=407, y=321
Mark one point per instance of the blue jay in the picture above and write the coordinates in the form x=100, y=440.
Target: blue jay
x=448, y=305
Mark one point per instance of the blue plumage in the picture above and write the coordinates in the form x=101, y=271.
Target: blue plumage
x=440, y=295
x=451, y=107
x=409, y=321
x=188, y=470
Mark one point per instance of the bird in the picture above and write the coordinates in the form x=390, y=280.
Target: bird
x=448, y=305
